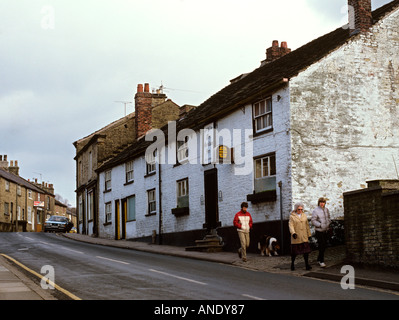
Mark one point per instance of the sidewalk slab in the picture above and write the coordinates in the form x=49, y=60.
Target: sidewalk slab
x=14, y=285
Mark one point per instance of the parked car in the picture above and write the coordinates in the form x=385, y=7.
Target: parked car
x=57, y=224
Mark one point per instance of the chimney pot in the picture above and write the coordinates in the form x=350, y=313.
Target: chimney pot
x=139, y=88
x=11, y=163
x=146, y=87
x=5, y=157
x=275, y=52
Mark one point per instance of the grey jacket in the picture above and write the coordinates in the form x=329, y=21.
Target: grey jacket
x=321, y=219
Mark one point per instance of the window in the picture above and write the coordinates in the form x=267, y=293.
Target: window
x=129, y=171
x=131, y=208
x=90, y=164
x=30, y=194
x=265, y=173
x=7, y=185
x=151, y=162
x=80, y=208
x=108, y=180
x=19, y=190
x=90, y=206
x=152, y=202
x=182, y=150
x=182, y=193
x=29, y=215
x=6, y=208
x=262, y=113
x=108, y=212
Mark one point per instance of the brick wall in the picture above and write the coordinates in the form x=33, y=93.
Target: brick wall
x=372, y=224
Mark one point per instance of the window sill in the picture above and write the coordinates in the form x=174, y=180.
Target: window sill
x=178, y=212
x=259, y=133
x=150, y=174
x=265, y=196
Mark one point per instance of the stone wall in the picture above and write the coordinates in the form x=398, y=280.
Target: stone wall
x=372, y=224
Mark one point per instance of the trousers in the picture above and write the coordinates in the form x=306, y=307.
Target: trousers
x=244, y=241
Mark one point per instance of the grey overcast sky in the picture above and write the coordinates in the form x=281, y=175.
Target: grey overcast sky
x=64, y=63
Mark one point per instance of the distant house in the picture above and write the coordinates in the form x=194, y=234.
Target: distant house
x=97, y=148
x=24, y=205
x=317, y=121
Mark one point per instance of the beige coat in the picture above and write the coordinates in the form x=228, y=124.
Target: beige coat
x=299, y=224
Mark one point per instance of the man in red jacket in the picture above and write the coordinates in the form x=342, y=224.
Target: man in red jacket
x=243, y=222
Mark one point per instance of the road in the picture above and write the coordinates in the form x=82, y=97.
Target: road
x=98, y=272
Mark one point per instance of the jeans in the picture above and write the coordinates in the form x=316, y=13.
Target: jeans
x=322, y=244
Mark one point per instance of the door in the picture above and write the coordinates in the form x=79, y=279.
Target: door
x=117, y=220
x=124, y=216
x=211, y=199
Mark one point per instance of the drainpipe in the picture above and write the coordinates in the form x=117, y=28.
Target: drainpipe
x=280, y=184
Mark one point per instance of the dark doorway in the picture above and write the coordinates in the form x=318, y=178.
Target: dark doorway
x=211, y=199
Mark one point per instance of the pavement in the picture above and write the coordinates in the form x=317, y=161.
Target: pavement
x=14, y=285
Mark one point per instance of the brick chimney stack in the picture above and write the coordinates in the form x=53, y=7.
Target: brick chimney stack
x=276, y=52
x=360, y=17
x=143, y=110
x=145, y=101
x=13, y=168
x=3, y=162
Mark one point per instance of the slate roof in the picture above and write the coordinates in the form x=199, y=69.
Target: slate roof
x=257, y=84
x=20, y=181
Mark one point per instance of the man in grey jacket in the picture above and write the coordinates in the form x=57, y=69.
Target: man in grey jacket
x=321, y=220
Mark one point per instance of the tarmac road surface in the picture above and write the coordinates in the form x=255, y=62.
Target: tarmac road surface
x=100, y=272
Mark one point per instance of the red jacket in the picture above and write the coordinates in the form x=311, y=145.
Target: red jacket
x=243, y=221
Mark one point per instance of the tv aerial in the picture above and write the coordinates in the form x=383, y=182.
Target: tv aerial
x=125, y=103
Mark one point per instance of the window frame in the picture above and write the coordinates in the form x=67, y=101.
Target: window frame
x=268, y=115
x=151, y=162
x=182, y=193
x=129, y=171
x=108, y=180
x=108, y=212
x=151, y=202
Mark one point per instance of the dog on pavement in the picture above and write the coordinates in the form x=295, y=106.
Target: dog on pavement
x=268, y=246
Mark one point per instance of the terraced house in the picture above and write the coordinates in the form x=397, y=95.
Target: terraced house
x=24, y=205
x=95, y=149
x=316, y=121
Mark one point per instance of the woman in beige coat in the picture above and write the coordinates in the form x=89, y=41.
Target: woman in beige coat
x=300, y=233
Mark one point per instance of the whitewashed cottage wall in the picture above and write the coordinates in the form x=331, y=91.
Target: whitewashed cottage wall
x=345, y=118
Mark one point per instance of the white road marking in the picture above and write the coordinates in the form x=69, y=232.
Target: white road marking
x=177, y=277
x=118, y=261
x=252, y=297
x=72, y=250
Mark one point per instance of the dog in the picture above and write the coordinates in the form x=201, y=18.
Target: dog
x=268, y=246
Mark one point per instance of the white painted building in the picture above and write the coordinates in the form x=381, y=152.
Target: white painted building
x=318, y=121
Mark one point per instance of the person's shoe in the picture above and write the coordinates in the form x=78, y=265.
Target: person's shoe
x=322, y=264
x=244, y=259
